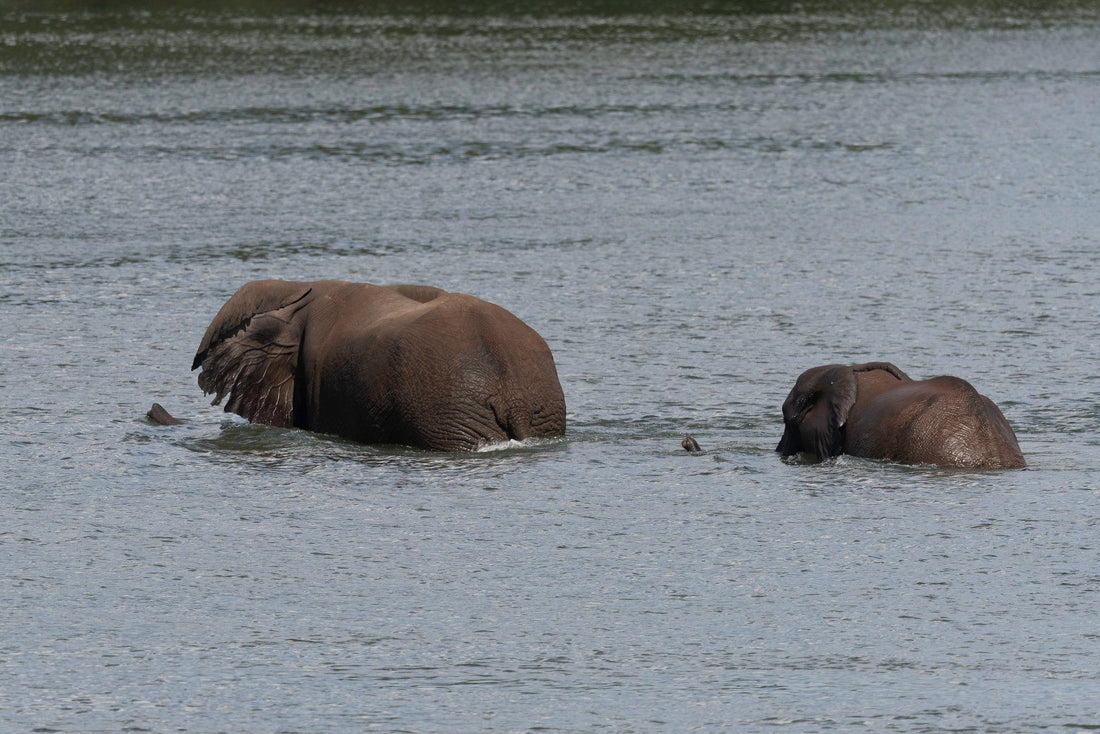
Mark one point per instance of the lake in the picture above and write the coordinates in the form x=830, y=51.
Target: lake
x=692, y=206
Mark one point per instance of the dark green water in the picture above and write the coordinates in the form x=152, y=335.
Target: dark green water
x=692, y=208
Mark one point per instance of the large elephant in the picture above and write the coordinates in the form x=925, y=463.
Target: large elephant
x=876, y=411
x=405, y=364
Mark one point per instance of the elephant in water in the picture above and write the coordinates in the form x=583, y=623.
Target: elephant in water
x=405, y=364
x=876, y=411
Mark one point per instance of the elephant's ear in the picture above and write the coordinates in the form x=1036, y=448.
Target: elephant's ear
x=837, y=390
x=250, y=352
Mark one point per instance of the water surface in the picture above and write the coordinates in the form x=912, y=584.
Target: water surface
x=691, y=208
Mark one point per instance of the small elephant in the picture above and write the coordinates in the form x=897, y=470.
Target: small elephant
x=876, y=411
x=405, y=364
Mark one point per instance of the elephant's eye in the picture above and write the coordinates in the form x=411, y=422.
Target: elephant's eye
x=805, y=404
x=801, y=404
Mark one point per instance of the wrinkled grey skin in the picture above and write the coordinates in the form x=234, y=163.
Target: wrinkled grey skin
x=876, y=411
x=404, y=364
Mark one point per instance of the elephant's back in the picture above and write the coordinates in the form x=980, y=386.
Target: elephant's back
x=946, y=421
x=507, y=363
x=451, y=371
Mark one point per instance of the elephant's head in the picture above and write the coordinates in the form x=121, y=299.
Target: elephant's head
x=816, y=410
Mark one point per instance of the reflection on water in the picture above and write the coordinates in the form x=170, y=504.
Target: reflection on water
x=692, y=208
x=307, y=38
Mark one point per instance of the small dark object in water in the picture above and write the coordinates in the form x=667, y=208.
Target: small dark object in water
x=690, y=444
x=158, y=414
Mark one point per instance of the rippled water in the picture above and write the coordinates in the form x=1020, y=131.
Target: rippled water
x=691, y=209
